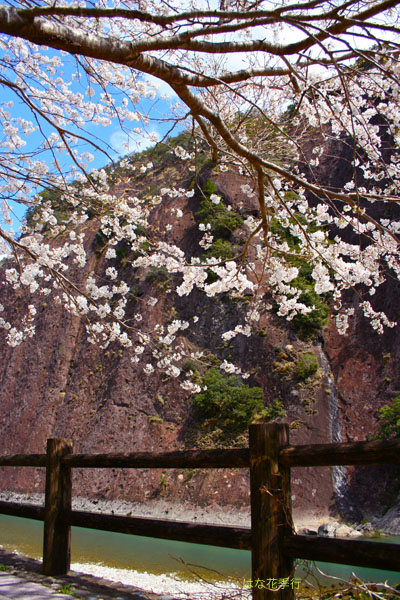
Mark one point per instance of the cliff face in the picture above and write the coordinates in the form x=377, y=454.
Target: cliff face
x=56, y=384
x=365, y=369
x=364, y=363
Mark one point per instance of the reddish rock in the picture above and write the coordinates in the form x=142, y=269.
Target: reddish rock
x=58, y=385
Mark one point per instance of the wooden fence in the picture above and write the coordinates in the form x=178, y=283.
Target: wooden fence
x=271, y=538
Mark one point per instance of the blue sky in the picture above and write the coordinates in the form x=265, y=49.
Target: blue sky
x=116, y=140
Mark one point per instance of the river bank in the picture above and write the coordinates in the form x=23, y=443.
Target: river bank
x=175, y=570
x=161, y=509
x=97, y=581
x=77, y=584
x=133, y=562
x=308, y=523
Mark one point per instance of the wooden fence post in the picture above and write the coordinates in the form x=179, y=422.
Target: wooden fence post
x=57, y=530
x=271, y=516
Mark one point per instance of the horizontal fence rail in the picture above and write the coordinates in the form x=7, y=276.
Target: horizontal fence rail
x=375, y=555
x=312, y=455
x=213, y=535
x=271, y=538
x=28, y=511
x=354, y=453
x=23, y=460
x=185, y=459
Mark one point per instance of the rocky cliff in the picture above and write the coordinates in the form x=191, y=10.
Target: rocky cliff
x=56, y=384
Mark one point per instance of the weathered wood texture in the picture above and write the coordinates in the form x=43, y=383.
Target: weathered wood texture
x=376, y=555
x=271, y=536
x=353, y=453
x=214, y=535
x=186, y=459
x=23, y=460
x=16, y=509
x=271, y=516
x=57, y=530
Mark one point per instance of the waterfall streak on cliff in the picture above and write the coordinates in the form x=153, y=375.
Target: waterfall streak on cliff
x=339, y=473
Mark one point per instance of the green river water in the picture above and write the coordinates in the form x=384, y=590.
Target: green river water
x=155, y=555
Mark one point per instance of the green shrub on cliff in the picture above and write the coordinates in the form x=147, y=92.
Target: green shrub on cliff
x=227, y=401
x=390, y=416
x=223, y=221
x=275, y=410
x=305, y=325
x=306, y=366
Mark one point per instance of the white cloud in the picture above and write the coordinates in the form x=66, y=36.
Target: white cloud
x=124, y=142
x=162, y=87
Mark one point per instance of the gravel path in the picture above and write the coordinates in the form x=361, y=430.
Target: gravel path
x=21, y=579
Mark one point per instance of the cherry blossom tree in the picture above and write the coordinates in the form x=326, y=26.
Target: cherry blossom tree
x=270, y=90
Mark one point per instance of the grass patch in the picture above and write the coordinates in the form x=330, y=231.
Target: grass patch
x=306, y=366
